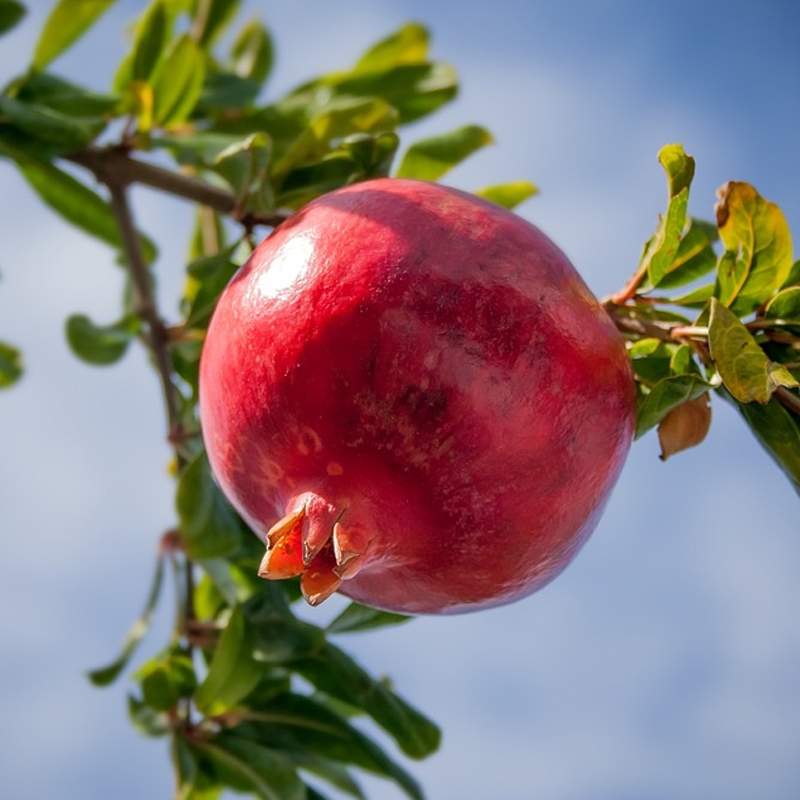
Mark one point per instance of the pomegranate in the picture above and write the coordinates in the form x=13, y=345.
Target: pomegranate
x=415, y=400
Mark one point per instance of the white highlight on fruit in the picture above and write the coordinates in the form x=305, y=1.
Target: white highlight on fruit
x=286, y=268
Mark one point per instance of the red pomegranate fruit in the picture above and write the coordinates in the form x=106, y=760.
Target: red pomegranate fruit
x=413, y=397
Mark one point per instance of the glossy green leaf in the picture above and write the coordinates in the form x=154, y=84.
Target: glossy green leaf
x=408, y=45
x=661, y=250
x=46, y=124
x=11, y=12
x=509, y=195
x=252, y=52
x=233, y=672
x=210, y=18
x=67, y=22
x=432, y=158
x=178, y=82
x=246, y=766
x=106, y=675
x=336, y=674
x=667, y=394
x=100, y=344
x=357, y=617
x=10, y=365
x=778, y=432
x=78, y=204
x=208, y=525
x=758, y=248
x=745, y=370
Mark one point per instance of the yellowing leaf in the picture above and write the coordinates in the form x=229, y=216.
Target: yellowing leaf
x=743, y=366
x=758, y=248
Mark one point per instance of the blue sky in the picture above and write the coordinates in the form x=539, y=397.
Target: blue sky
x=664, y=662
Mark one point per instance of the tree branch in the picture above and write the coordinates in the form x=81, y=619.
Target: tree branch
x=146, y=308
x=113, y=166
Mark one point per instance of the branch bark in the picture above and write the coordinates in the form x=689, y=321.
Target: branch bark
x=113, y=166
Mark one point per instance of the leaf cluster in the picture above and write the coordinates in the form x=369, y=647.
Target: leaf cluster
x=716, y=307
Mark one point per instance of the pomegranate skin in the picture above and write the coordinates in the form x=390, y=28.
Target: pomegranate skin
x=413, y=397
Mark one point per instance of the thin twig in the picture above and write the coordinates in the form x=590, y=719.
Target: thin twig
x=146, y=307
x=790, y=401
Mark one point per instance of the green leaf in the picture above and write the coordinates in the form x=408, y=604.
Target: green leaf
x=10, y=365
x=413, y=90
x=178, y=82
x=667, y=394
x=697, y=298
x=431, y=158
x=151, y=36
x=245, y=165
x=107, y=675
x=69, y=99
x=210, y=18
x=302, y=726
x=252, y=52
x=166, y=679
x=408, y=45
x=357, y=617
x=145, y=719
x=209, y=526
x=778, y=432
x=758, y=248
x=279, y=637
x=233, y=673
x=336, y=674
x=11, y=12
x=48, y=125
x=203, y=293
x=509, y=195
x=743, y=366
x=68, y=21
x=661, y=250
x=223, y=93
x=695, y=256
x=100, y=344
x=785, y=305
x=78, y=204
x=341, y=118
x=248, y=767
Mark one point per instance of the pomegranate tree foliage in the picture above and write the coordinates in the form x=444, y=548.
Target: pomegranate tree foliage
x=251, y=697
